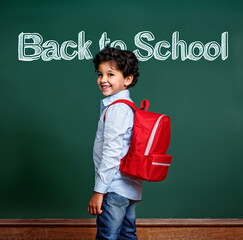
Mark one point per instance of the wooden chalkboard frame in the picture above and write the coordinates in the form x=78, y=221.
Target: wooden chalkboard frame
x=147, y=229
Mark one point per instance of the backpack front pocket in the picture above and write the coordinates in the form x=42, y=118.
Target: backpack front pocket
x=158, y=166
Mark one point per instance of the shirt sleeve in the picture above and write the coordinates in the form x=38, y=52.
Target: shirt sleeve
x=116, y=125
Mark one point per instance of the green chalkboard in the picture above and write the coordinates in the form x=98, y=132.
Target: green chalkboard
x=191, y=65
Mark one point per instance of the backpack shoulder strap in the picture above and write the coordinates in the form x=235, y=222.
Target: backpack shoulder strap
x=131, y=104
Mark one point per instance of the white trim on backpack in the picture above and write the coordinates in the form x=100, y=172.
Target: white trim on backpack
x=162, y=164
x=151, y=138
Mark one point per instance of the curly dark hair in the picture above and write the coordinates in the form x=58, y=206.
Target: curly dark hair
x=125, y=60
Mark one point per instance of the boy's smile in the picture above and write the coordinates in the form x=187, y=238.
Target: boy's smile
x=111, y=80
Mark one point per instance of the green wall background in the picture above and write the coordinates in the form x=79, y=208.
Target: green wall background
x=49, y=110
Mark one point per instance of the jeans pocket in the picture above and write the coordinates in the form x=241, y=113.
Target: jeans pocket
x=117, y=200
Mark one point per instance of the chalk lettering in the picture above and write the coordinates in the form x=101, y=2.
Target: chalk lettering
x=35, y=45
x=83, y=47
x=64, y=53
x=224, y=45
x=30, y=48
x=176, y=43
x=143, y=45
x=191, y=51
x=207, y=53
x=104, y=40
x=52, y=52
x=157, y=50
x=119, y=43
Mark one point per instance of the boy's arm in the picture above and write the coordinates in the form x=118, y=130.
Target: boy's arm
x=116, y=125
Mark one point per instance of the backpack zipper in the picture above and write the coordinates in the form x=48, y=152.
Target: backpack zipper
x=151, y=138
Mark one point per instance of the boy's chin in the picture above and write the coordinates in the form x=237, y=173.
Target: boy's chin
x=106, y=93
x=109, y=93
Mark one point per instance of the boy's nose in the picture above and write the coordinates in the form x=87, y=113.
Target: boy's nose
x=103, y=79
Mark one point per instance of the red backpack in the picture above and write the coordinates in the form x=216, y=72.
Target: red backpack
x=146, y=158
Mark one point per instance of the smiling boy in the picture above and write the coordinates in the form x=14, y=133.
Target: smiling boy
x=115, y=194
x=111, y=80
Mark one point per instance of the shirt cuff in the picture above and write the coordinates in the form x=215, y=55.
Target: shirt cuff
x=100, y=187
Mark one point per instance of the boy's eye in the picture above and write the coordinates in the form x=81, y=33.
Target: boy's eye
x=99, y=74
x=111, y=74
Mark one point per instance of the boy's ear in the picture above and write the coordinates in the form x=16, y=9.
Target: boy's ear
x=128, y=80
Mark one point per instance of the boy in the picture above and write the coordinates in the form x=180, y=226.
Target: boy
x=115, y=194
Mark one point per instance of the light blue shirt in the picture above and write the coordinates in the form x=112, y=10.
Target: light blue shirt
x=112, y=141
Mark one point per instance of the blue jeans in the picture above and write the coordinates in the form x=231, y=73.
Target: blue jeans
x=117, y=221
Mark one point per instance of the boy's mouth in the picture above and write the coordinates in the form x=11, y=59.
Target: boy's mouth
x=105, y=86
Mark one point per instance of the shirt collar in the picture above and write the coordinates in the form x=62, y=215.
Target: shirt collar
x=119, y=95
x=124, y=94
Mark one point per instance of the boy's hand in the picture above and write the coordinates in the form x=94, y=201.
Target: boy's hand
x=95, y=203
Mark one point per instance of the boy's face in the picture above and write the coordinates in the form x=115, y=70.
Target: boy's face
x=111, y=80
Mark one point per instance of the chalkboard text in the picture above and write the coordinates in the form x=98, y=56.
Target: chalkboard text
x=31, y=47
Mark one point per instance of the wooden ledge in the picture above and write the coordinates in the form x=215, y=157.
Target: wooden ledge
x=140, y=222
x=147, y=229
